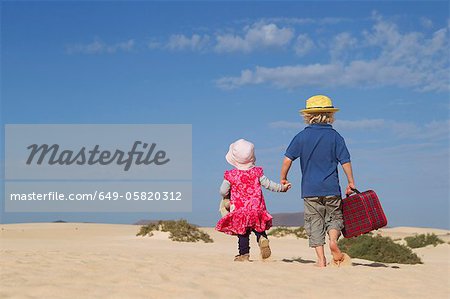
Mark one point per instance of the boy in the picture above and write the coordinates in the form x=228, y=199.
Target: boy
x=320, y=149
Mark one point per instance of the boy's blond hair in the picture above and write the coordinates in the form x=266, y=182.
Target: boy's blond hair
x=318, y=118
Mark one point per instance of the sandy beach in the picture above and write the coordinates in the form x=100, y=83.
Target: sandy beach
x=84, y=260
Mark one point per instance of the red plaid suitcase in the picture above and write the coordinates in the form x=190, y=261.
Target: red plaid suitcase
x=362, y=213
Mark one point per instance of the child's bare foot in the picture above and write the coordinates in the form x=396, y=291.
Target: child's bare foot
x=335, y=251
x=343, y=262
x=321, y=260
x=321, y=263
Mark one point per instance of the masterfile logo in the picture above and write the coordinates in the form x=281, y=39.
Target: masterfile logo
x=98, y=168
x=53, y=155
x=103, y=151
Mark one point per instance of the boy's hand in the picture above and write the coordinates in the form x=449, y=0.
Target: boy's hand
x=349, y=189
x=284, y=182
x=285, y=187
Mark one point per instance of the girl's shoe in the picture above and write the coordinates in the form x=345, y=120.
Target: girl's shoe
x=264, y=247
x=242, y=258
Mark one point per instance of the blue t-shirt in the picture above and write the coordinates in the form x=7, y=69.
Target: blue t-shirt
x=320, y=149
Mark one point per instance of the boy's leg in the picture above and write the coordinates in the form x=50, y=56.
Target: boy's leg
x=334, y=224
x=321, y=260
x=334, y=248
x=315, y=226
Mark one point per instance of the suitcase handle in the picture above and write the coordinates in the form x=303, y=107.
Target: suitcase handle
x=354, y=190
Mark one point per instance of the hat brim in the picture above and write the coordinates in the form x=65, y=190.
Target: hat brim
x=240, y=166
x=315, y=110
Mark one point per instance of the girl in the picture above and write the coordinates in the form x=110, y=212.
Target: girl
x=247, y=207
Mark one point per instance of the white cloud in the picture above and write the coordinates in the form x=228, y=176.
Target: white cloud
x=438, y=129
x=307, y=21
x=426, y=23
x=231, y=43
x=181, y=42
x=342, y=44
x=303, y=45
x=410, y=60
x=358, y=73
x=154, y=44
x=434, y=130
x=255, y=36
x=99, y=47
x=284, y=76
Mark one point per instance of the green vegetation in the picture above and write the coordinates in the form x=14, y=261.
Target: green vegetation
x=180, y=231
x=282, y=231
x=378, y=249
x=423, y=240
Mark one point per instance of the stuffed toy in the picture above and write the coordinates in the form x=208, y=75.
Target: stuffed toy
x=225, y=207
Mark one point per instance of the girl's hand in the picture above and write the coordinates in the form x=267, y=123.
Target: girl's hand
x=285, y=187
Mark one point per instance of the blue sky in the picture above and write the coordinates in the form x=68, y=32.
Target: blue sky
x=243, y=70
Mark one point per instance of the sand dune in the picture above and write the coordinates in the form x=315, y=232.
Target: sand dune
x=80, y=260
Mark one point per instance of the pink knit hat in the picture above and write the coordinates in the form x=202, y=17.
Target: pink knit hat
x=241, y=154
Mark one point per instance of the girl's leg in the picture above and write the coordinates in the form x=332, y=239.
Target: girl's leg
x=263, y=242
x=244, y=243
x=258, y=235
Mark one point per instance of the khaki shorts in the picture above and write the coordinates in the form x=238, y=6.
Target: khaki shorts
x=322, y=213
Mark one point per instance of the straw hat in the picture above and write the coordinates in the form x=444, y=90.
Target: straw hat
x=319, y=103
x=241, y=154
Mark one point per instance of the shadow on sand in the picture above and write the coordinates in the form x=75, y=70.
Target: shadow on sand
x=376, y=265
x=298, y=260
x=372, y=265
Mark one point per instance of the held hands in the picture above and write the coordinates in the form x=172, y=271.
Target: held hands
x=285, y=185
